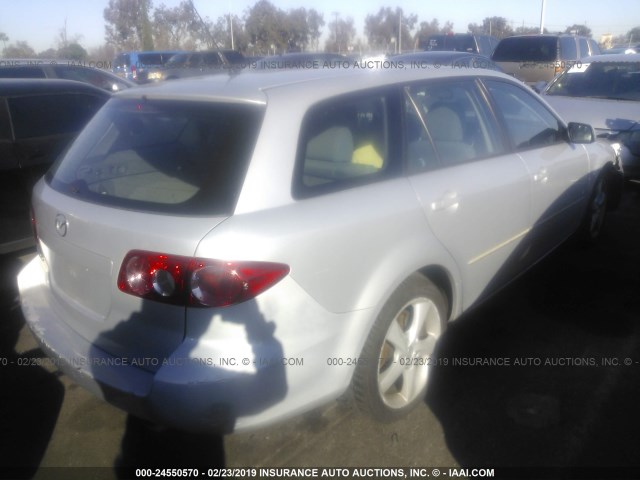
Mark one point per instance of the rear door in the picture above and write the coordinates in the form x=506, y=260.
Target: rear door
x=474, y=192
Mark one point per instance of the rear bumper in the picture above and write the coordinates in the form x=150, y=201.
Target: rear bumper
x=194, y=388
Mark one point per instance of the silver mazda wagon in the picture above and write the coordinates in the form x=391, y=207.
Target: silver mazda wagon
x=224, y=252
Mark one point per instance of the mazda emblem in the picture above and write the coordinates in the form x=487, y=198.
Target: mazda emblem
x=61, y=225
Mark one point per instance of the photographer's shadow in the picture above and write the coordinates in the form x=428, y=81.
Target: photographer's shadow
x=227, y=389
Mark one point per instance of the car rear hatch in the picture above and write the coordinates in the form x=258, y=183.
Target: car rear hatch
x=144, y=175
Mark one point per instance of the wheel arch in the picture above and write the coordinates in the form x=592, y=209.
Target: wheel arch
x=442, y=279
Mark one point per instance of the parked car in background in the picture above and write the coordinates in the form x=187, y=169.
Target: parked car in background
x=616, y=50
x=196, y=64
x=437, y=59
x=135, y=65
x=460, y=42
x=604, y=91
x=65, y=70
x=178, y=284
x=38, y=118
x=535, y=58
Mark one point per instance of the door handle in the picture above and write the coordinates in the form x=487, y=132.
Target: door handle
x=449, y=201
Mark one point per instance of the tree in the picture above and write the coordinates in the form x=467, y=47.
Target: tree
x=315, y=22
x=172, y=27
x=389, y=26
x=431, y=28
x=127, y=24
x=20, y=49
x=522, y=30
x=265, y=26
x=69, y=48
x=298, y=29
x=579, y=30
x=633, y=36
x=497, y=26
x=73, y=51
x=341, y=35
x=221, y=32
x=4, y=39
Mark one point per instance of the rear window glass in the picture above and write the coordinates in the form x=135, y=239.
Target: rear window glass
x=526, y=49
x=161, y=156
x=344, y=143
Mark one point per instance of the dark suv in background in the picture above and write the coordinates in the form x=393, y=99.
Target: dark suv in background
x=539, y=58
x=38, y=119
x=195, y=64
x=136, y=65
x=460, y=42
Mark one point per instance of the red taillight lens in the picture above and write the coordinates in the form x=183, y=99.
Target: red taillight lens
x=197, y=282
x=134, y=72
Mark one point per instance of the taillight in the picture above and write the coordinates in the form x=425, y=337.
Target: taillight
x=195, y=281
x=134, y=72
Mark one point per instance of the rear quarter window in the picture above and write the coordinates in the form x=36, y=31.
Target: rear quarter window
x=162, y=156
x=345, y=142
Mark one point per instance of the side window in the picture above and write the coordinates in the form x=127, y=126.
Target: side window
x=57, y=114
x=568, y=48
x=22, y=72
x=595, y=49
x=528, y=122
x=343, y=142
x=584, y=47
x=453, y=118
x=211, y=59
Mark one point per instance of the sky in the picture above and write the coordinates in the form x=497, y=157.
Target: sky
x=38, y=22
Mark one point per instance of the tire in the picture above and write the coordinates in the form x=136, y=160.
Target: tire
x=593, y=222
x=392, y=377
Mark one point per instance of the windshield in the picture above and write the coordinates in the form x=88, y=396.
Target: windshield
x=161, y=156
x=610, y=80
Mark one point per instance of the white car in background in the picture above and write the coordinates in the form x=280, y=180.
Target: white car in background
x=604, y=91
x=224, y=252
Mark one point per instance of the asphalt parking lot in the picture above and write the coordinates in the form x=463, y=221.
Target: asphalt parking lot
x=547, y=373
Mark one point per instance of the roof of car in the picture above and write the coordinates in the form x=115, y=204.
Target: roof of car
x=23, y=86
x=251, y=86
x=543, y=35
x=613, y=57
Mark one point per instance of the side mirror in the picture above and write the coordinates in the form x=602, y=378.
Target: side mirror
x=580, y=133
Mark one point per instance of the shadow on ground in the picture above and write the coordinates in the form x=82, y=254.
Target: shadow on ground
x=30, y=396
x=564, y=395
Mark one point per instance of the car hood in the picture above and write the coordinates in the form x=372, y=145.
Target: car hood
x=601, y=114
